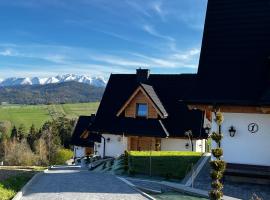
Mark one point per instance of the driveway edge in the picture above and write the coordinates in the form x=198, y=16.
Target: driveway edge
x=19, y=194
x=135, y=188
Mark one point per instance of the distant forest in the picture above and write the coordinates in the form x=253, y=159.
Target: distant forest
x=68, y=92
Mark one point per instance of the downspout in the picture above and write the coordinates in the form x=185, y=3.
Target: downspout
x=192, y=145
x=104, y=145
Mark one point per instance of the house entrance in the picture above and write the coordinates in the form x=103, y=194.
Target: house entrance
x=143, y=143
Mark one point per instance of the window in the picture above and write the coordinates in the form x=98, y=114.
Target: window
x=142, y=110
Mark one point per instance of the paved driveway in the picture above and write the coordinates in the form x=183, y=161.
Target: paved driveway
x=79, y=185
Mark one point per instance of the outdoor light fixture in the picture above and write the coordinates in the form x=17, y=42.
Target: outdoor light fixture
x=207, y=130
x=190, y=137
x=187, y=145
x=108, y=139
x=119, y=139
x=232, y=131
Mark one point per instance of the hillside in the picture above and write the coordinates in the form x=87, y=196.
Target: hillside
x=38, y=114
x=66, y=92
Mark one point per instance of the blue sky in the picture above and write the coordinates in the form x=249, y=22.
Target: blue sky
x=99, y=37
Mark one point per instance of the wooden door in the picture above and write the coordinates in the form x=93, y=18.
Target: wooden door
x=89, y=151
x=143, y=144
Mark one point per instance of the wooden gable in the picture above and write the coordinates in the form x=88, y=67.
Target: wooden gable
x=139, y=96
x=131, y=109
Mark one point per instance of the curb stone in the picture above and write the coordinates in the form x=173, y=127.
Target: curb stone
x=182, y=188
x=136, y=188
x=20, y=194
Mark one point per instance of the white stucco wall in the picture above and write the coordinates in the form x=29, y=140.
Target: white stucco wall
x=172, y=144
x=200, y=145
x=114, y=147
x=246, y=147
x=79, y=151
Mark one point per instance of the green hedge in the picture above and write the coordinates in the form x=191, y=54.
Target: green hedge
x=167, y=164
x=61, y=156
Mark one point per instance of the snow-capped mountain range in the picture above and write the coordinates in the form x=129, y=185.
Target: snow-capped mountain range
x=14, y=81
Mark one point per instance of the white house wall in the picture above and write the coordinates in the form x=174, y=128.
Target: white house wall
x=200, y=145
x=246, y=147
x=171, y=144
x=119, y=144
x=114, y=148
x=79, y=151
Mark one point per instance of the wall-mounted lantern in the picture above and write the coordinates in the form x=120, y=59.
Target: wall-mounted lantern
x=187, y=145
x=232, y=131
x=108, y=139
x=207, y=130
x=119, y=139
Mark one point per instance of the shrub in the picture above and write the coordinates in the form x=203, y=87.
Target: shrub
x=218, y=152
x=42, y=152
x=61, y=156
x=216, y=175
x=218, y=165
x=19, y=153
x=216, y=137
x=215, y=194
x=167, y=164
x=217, y=185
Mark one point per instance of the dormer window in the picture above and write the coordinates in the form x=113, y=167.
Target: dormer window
x=142, y=110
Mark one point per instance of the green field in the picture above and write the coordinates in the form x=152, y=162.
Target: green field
x=38, y=114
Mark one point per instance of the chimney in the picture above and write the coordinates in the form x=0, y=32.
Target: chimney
x=142, y=75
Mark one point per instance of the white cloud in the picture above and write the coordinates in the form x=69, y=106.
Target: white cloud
x=64, y=59
x=54, y=58
x=187, y=55
x=158, y=8
x=116, y=60
x=138, y=7
x=152, y=31
x=6, y=52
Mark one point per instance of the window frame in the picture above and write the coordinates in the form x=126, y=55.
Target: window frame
x=137, y=110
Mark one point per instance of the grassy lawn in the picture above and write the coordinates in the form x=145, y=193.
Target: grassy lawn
x=38, y=114
x=12, y=179
x=167, y=164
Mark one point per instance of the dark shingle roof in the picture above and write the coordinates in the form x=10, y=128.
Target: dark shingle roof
x=82, y=125
x=234, y=63
x=165, y=90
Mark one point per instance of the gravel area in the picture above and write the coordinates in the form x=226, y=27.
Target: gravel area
x=245, y=191
x=74, y=184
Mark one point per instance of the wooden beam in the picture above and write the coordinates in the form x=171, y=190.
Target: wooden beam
x=128, y=101
x=232, y=108
x=139, y=89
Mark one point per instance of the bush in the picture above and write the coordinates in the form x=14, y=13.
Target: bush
x=217, y=185
x=216, y=175
x=218, y=165
x=19, y=153
x=13, y=184
x=167, y=164
x=42, y=152
x=61, y=156
x=218, y=152
x=216, y=137
x=215, y=194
